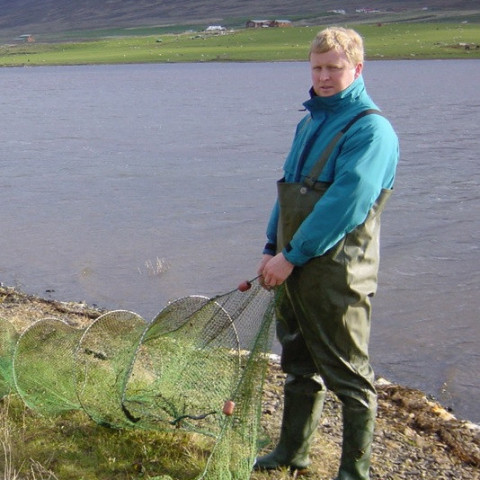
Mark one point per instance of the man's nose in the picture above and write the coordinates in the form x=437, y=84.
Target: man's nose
x=323, y=74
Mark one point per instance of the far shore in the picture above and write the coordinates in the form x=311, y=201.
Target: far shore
x=394, y=41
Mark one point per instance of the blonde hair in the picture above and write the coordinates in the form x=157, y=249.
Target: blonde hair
x=340, y=39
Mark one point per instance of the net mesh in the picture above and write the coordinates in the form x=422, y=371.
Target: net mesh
x=8, y=340
x=199, y=365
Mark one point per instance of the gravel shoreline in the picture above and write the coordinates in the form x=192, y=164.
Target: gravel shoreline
x=416, y=438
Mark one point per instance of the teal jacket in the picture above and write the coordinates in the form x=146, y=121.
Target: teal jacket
x=361, y=165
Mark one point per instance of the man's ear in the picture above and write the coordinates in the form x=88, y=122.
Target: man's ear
x=358, y=70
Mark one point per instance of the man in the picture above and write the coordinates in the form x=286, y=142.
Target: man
x=323, y=248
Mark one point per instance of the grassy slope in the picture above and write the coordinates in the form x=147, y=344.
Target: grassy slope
x=403, y=40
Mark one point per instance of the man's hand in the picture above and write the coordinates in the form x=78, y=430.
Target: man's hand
x=274, y=270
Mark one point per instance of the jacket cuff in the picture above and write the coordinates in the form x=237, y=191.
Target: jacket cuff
x=295, y=256
x=270, y=249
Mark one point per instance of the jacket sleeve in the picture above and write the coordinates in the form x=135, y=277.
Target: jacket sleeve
x=365, y=163
x=271, y=246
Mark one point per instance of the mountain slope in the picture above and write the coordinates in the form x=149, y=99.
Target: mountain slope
x=49, y=16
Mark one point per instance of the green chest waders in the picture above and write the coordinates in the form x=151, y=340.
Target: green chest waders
x=324, y=318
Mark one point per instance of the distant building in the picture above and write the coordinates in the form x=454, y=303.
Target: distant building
x=215, y=29
x=367, y=10
x=27, y=38
x=282, y=23
x=257, y=23
x=268, y=23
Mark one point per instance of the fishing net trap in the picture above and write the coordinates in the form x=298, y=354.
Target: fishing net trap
x=199, y=366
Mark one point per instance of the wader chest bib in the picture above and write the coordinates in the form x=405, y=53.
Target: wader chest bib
x=297, y=200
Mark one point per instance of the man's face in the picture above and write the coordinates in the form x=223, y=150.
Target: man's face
x=332, y=72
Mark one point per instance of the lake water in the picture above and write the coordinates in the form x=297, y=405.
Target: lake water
x=128, y=186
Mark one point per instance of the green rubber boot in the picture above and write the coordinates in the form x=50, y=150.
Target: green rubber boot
x=303, y=405
x=358, y=428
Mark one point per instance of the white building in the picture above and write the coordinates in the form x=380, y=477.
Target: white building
x=215, y=28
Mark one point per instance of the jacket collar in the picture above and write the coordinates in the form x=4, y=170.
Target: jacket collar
x=338, y=101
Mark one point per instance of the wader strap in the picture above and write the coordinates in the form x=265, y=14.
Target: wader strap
x=315, y=172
